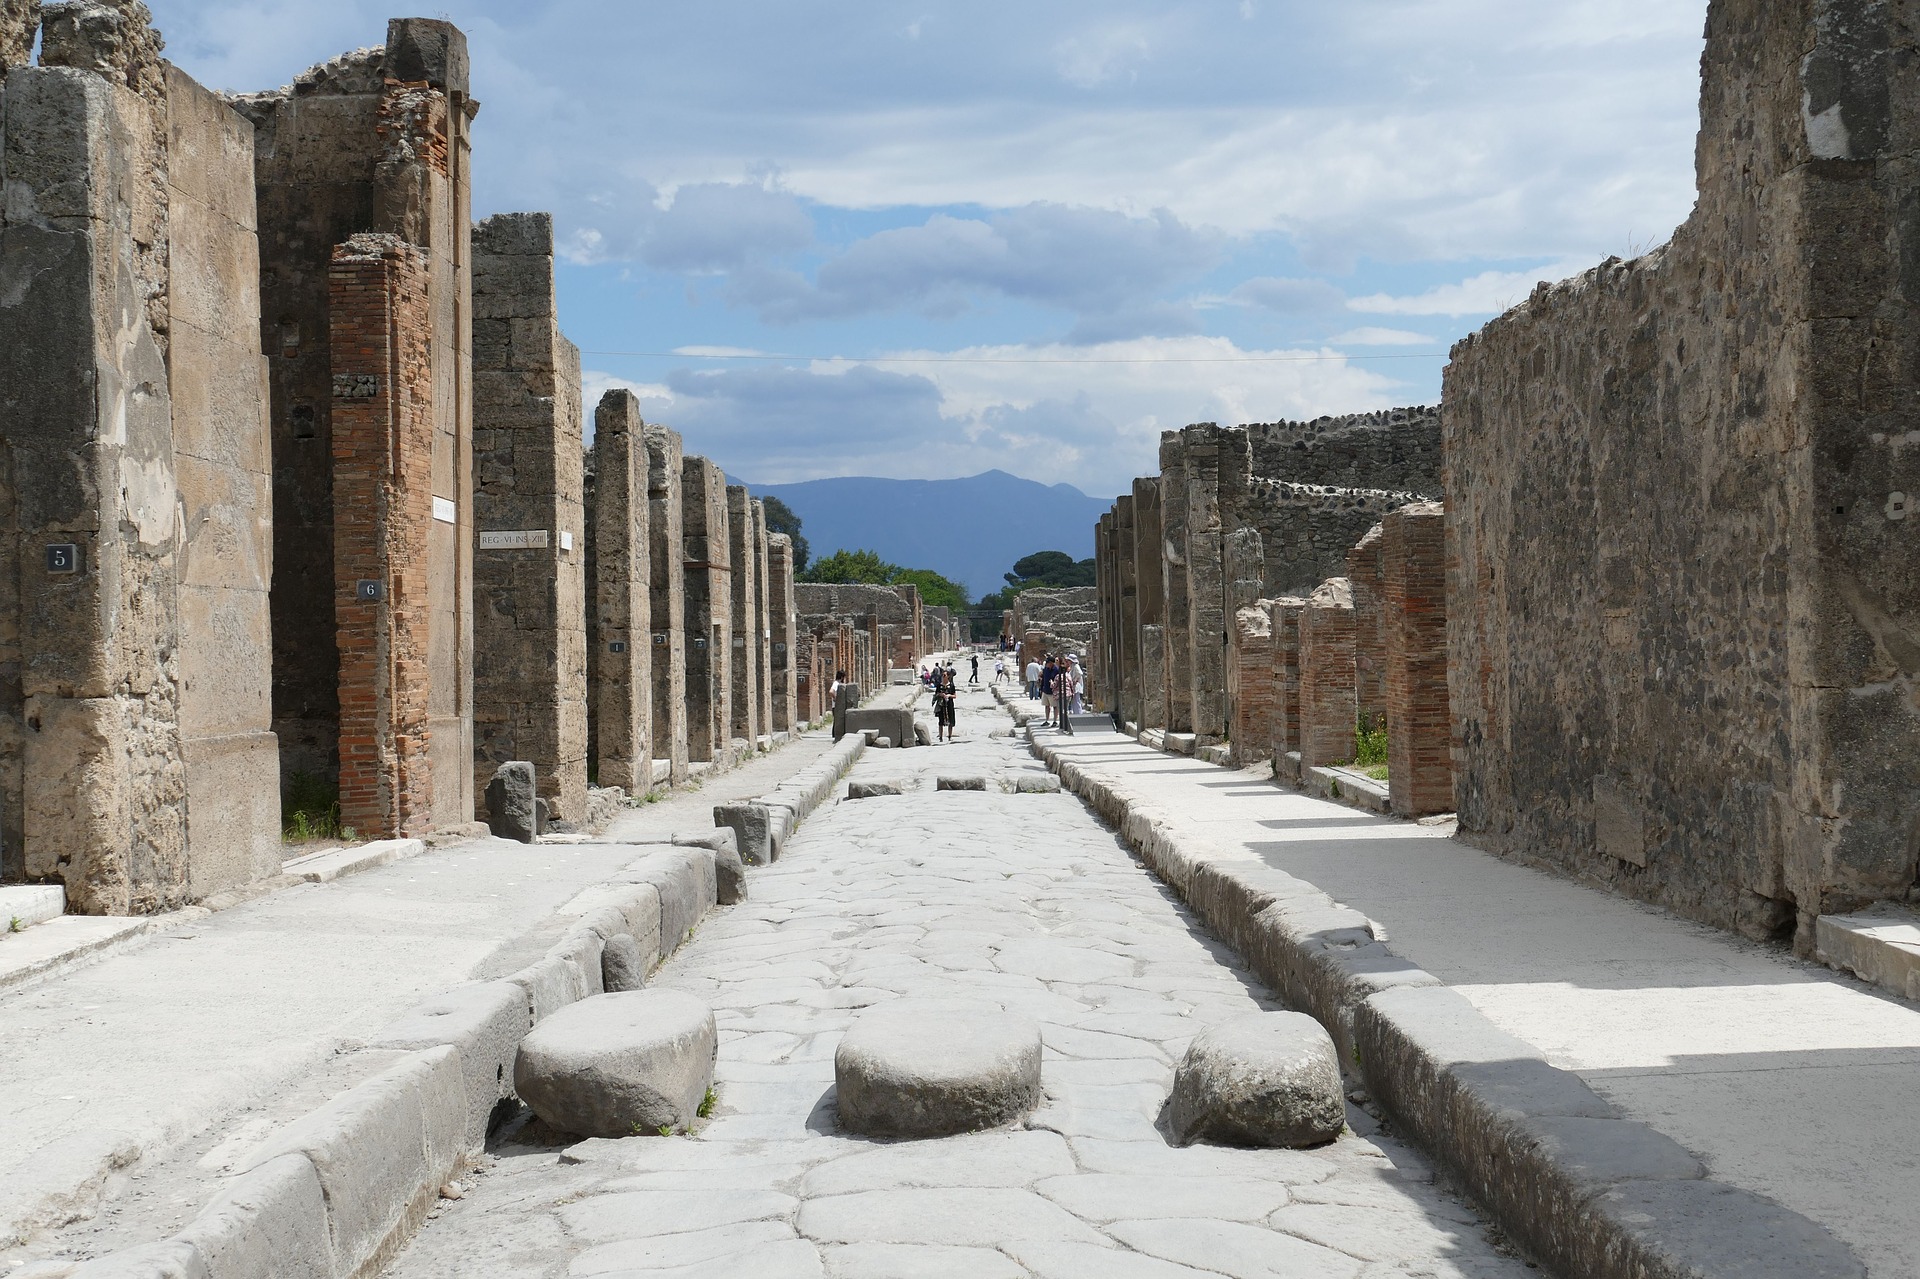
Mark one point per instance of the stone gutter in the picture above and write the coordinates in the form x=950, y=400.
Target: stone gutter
x=1581, y=1189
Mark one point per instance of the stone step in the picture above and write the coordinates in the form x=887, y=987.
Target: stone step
x=1880, y=945
x=24, y=905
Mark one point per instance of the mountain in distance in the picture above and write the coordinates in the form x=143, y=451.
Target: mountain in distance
x=970, y=530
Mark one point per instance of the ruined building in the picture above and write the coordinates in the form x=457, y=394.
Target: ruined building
x=1685, y=650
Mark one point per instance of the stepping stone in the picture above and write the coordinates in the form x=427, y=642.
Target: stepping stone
x=619, y=1065
x=933, y=1068
x=868, y=790
x=960, y=783
x=1036, y=784
x=1268, y=1079
x=622, y=964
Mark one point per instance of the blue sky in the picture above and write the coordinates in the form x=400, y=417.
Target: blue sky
x=1033, y=236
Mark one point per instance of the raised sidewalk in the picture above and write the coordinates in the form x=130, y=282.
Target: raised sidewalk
x=1783, y=1078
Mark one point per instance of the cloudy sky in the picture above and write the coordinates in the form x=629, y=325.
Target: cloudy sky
x=1033, y=236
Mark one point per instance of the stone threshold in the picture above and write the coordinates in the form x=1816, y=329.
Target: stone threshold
x=1577, y=1186
x=1880, y=945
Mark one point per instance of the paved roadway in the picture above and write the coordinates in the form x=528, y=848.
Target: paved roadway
x=1021, y=900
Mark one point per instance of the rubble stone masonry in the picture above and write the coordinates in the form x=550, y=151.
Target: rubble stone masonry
x=667, y=596
x=744, y=714
x=1177, y=632
x=786, y=661
x=530, y=533
x=1681, y=511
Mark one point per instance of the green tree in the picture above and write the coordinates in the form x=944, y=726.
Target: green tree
x=935, y=591
x=852, y=566
x=781, y=519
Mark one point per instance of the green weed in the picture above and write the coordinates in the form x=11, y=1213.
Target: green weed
x=707, y=1103
x=310, y=809
x=1369, y=743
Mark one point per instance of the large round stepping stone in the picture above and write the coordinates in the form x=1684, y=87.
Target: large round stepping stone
x=1268, y=1079
x=619, y=1065
x=931, y=1068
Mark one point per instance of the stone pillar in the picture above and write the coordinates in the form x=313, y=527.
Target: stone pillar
x=709, y=617
x=1366, y=569
x=1251, y=673
x=1328, y=711
x=1285, y=612
x=762, y=620
x=744, y=723
x=667, y=599
x=137, y=762
x=785, y=658
x=1419, y=719
x=623, y=648
x=1206, y=584
x=529, y=579
x=1150, y=583
x=383, y=440
x=1178, y=624
x=1126, y=640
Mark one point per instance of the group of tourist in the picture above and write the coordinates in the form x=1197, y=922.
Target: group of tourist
x=1060, y=686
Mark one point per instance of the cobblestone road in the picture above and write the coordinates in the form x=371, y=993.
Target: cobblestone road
x=1016, y=899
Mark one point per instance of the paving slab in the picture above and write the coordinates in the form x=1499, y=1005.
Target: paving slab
x=1783, y=1077
x=1025, y=902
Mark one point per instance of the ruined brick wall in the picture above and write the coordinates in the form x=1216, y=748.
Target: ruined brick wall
x=382, y=418
x=667, y=598
x=709, y=610
x=1394, y=449
x=1414, y=608
x=1366, y=569
x=1284, y=629
x=1250, y=674
x=784, y=656
x=744, y=715
x=530, y=532
x=1328, y=712
x=137, y=765
x=1680, y=491
x=374, y=141
x=620, y=692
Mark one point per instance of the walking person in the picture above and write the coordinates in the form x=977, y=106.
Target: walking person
x=1049, y=676
x=945, y=697
x=999, y=670
x=1066, y=687
x=975, y=677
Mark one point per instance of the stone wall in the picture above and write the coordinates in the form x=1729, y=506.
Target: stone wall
x=1685, y=622
x=137, y=762
x=620, y=644
x=1307, y=530
x=375, y=141
x=1395, y=449
x=530, y=534
x=741, y=555
x=783, y=634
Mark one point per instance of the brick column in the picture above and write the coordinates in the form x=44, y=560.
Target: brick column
x=1285, y=613
x=667, y=599
x=382, y=516
x=1366, y=569
x=530, y=534
x=709, y=615
x=622, y=694
x=1419, y=714
x=744, y=716
x=1251, y=672
x=1328, y=712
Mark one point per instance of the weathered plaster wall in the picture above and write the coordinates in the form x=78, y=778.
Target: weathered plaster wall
x=1685, y=622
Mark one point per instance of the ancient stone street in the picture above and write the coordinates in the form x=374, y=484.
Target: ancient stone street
x=1025, y=901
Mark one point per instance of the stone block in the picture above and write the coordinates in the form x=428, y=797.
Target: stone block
x=620, y=1065
x=269, y=1221
x=382, y=1150
x=872, y=790
x=913, y=1068
x=623, y=966
x=511, y=807
x=1036, y=784
x=687, y=887
x=753, y=827
x=483, y=1022
x=1270, y=1079
x=960, y=783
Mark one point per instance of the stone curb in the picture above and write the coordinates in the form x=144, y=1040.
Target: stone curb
x=763, y=825
x=336, y=1193
x=1582, y=1189
x=330, y=864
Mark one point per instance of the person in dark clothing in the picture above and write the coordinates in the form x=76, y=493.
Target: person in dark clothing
x=1048, y=674
x=975, y=679
x=946, y=695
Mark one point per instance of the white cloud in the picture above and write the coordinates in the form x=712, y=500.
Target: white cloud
x=1488, y=293
x=1276, y=293
x=1379, y=337
x=1089, y=59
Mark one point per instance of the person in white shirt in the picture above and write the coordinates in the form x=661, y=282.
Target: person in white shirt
x=1033, y=681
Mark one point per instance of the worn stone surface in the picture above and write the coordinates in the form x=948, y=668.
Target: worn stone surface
x=623, y=964
x=929, y=1068
x=959, y=783
x=872, y=790
x=513, y=810
x=1270, y=1079
x=620, y=647
x=709, y=610
x=1028, y=904
x=1680, y=512
x=619, y=1065
x=531, y=538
